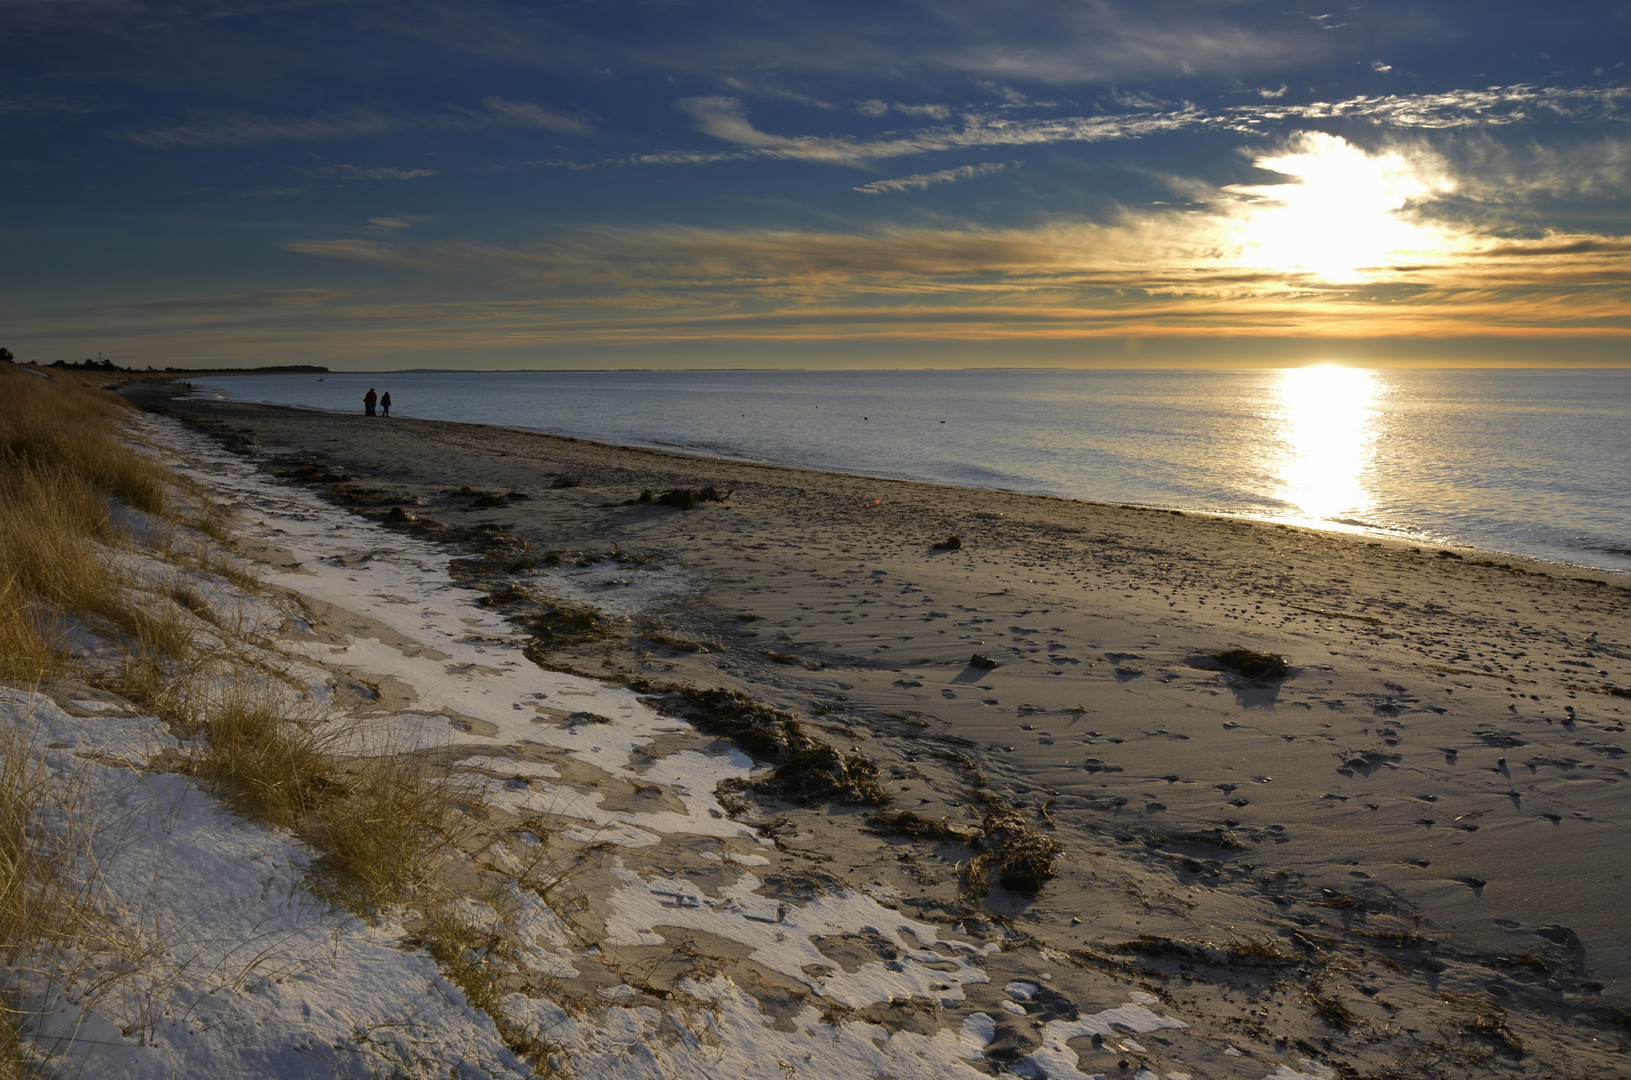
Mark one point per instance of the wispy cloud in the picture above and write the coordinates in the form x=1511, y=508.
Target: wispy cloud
x=726, y=119
x=245, y=129
x=271, y=298
x=405, y=221
x=878, y=107
x=375, y=172
x=526, y=114
x=919, y=181
x=209, y=129
x=1489, y=107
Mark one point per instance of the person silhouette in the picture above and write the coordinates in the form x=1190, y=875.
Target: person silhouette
x=385, y=404
x=368, y=400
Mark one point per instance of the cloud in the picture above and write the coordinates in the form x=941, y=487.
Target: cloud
x=272, y=298
x=878, y=107
x=526, y=114
x=1379, y=66
x=405, y=221
x=210, y=129
x=1272, y=95
x=726, y=119
x=377, y=172
x=1499, y=173
x=1494, y=106
x=775, y=93
x=919, y=181
x=246, y=129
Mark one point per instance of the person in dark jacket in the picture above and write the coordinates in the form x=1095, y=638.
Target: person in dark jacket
x=368, y=400
x=385, y=404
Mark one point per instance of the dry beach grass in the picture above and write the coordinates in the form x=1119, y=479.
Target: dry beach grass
x=74, y=494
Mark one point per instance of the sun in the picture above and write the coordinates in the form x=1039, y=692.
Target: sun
x=1341, y=214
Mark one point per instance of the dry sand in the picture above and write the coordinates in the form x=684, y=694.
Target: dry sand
x=1404, y=858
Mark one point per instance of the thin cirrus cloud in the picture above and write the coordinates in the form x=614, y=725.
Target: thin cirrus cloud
x=376, y=172
x=919, y=181
x=726, y=118
x=213, y=129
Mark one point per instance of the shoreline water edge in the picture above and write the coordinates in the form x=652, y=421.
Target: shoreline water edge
x=849, y=777
x=1525, y=461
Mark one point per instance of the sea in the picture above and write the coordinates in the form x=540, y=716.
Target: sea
x=1530, y=462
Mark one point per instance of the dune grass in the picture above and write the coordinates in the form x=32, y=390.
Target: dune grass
x=62, y=466
x=80, y=513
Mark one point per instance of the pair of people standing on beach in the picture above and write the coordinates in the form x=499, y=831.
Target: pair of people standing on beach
x=370, y=398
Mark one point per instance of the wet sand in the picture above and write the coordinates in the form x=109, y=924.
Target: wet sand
x=1406, y=855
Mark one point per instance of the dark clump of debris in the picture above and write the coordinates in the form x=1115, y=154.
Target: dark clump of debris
x=950, y=543
x=1021, y=857
x=807, y=769
x=918, y=827
x=979, y=661
x=309, y=472
x=557, y=625
x=684, y=498
x=564, y=482
x=1253, y=665
x=816, y=773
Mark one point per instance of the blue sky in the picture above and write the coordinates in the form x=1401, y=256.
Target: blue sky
x=407, y=184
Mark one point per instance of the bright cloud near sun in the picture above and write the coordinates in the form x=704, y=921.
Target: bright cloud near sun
x=1341, y=214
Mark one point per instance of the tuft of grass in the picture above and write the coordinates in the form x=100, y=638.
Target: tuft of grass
x=43, y=901
x=265, y=766
x=65, y=425
x=27, y=654
x=378, y=829
x=1254, y=665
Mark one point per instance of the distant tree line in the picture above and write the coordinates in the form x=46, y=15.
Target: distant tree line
x=7, y=357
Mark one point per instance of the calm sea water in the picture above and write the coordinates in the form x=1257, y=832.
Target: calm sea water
x=1529, y=462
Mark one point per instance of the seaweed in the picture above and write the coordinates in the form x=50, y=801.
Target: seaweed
x=1247, y=954
x=817, y=772
x=1252, y=664
x=807, y=769
x=1331, y=1009
x=557, y=625
x=918, y=827
x=1022, y=857
x=684, y=498
x=950, y=543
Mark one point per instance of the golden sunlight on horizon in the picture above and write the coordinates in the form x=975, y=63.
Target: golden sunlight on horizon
x=1338, y=215
x=1327, y=431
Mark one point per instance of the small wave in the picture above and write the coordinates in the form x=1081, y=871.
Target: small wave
x=1356, y=523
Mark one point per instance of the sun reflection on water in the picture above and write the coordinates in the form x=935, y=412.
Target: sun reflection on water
x=1327, y=432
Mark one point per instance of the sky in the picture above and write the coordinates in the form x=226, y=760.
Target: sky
x=390, y=184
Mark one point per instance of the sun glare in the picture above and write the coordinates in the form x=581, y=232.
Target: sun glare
x=1338, y=214
x=1327, y=430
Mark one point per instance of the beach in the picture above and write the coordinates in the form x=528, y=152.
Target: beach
x=1402, y=857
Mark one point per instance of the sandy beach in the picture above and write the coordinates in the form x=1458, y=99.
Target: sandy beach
x=1402, y=858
